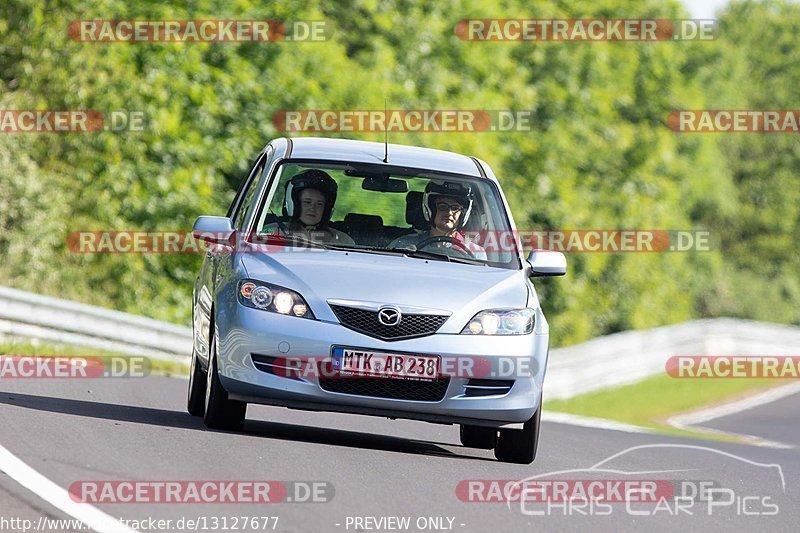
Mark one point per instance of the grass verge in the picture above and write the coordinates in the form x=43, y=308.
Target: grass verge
x=157, y=366
x=649, y=403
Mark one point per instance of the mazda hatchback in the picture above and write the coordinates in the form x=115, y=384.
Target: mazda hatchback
x=373, y=279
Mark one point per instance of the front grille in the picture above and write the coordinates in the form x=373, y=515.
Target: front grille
x=366, y=322
x=396, y=389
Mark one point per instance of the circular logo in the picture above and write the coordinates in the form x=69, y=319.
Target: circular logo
x=389, y=315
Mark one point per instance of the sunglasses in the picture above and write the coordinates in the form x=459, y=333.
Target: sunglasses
x=450, y=208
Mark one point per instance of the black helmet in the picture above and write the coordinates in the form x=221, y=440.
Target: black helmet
x=310, y=179
x=462, y=192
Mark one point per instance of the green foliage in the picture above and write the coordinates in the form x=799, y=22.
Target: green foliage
x=599, y=155
x=756, y=67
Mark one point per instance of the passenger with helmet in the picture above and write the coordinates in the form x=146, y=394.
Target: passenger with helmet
x=308, y=202
x=446, y=206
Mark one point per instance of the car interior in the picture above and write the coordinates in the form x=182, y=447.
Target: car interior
x=369, y=230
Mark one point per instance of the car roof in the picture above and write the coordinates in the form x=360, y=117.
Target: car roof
x=373, y=152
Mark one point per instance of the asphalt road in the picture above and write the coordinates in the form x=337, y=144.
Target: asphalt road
x=137, y=429
x=776, y=421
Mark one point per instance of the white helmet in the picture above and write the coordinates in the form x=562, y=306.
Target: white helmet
x=461, y=192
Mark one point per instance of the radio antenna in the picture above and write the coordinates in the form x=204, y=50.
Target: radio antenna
x=386, y=130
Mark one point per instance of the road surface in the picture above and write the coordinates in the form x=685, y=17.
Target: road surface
x=74, y=430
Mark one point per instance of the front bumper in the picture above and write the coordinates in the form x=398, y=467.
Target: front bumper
x=243, y=331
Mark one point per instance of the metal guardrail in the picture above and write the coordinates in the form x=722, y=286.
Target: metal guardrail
x=630, y=356
x=25, y=315
x=604, y=362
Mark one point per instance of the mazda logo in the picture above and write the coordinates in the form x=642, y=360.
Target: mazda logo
x=389, y=316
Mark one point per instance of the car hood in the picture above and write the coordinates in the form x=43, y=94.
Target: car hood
x=322, y=275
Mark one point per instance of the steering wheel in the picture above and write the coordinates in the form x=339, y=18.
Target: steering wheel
x=444, y=238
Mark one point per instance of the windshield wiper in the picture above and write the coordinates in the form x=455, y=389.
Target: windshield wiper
x=422, y=254
x=289, y=240
x=408, y=252
x=375, y=249
x=303, y=240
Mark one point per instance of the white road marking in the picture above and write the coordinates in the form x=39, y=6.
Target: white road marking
x=57, y=496
x=613, y=425
x=692, y=420
x=591, y=422
x=769, y=396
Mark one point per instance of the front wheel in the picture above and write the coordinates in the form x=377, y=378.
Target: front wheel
x=221, y=412
x=519, y=445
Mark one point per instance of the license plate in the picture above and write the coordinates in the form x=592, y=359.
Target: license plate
x=362, y=363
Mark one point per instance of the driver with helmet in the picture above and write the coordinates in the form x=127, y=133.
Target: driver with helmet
x=308, y=202
x=447, y=206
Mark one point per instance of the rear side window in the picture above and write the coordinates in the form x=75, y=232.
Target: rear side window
x=247, y=199
x=245, y=196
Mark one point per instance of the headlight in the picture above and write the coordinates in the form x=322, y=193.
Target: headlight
x=501, y=322
x=268, y=297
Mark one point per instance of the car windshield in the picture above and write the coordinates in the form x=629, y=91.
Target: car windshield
x=379, y=209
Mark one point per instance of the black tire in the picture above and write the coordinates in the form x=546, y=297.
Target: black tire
x=478, y=437
x=196, y=401
x=221, y=412
x=519, y=445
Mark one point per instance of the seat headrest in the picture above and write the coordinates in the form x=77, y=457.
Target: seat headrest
x=414, y=215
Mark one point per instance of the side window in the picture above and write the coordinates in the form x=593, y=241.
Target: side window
x=246, y=192
x=249, y=192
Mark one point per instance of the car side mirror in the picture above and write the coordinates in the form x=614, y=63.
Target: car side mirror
x=213, y=230
x=546, y=263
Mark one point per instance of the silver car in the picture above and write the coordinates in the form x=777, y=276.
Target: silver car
x=374, y=279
